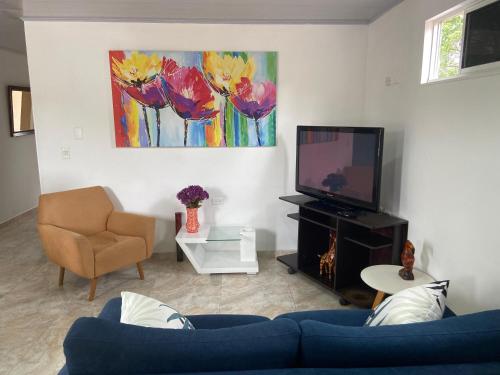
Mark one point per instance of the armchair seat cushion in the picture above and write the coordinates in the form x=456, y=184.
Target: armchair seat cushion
x=103, y=240
x=113, y=251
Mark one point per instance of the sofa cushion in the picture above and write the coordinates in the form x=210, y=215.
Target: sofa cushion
x=488, y=368
x=144, y=311
x=351, y=317
x=112, y=311
x=461, y=339
x=97, y=346
x=422, y=303
x=346, y=317
x=217, y=321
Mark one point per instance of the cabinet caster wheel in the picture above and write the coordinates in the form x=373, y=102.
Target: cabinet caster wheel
x=344, y=302
x=291, y=270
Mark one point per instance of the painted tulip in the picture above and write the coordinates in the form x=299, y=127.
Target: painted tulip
x=255, y=100
x=224, y=72
x=188, y=93
x=139, y=76
x=137, y=69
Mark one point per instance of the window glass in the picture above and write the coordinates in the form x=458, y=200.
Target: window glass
x=450, y=46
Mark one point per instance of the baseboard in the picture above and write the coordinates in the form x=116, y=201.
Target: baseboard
x=18, y=216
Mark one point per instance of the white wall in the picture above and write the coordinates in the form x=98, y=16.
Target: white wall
x=321, y=77
x=448, y=164
x=441, y=163
x=19, y=184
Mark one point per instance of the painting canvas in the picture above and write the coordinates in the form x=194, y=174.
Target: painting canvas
x=194, y=99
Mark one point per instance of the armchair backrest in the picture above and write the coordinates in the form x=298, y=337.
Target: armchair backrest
x=84, y=211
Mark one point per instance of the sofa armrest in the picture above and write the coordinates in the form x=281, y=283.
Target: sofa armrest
x=133, y=225
x=68, y=249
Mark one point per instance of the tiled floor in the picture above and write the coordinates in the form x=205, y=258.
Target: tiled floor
x=35, y=313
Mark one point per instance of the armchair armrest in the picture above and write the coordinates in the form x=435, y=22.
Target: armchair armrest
x=133, y=225
x=68, y=249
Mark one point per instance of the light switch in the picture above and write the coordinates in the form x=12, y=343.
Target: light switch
x=78, y=133
x=65, y=153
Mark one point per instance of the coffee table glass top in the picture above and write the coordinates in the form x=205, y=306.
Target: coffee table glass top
x=225, y=234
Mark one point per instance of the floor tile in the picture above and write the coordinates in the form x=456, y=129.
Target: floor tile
x=36, y=313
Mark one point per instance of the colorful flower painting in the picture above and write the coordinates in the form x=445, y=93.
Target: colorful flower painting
x=194, y=99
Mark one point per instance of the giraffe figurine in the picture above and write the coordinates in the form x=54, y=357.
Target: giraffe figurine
x=327, y=260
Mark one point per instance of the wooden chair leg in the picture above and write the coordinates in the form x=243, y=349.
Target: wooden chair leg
x=61, y=276
x=93, y=285
x=378, y=298
x=140, y=270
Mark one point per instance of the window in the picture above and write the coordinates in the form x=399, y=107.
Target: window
x=482, y=36
x=477, y=26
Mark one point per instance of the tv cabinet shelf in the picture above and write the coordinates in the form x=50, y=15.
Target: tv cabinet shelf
x=358, y=294
x=289, y=260
x=321, y=224
x=363, y=240
x=371, y=240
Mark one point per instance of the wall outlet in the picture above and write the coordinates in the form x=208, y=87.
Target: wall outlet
x=217, y=201
x=65, y=153
x=389, y=81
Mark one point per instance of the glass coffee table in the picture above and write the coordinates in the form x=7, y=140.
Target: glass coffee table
x=220, y=249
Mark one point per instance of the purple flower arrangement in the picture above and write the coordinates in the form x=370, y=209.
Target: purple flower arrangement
x=192, y=196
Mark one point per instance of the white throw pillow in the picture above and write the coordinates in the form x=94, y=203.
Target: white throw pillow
x=149, y=312
x=413, y=305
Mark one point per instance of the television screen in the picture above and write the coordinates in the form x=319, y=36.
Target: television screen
x=482, y=36
x=342, y=164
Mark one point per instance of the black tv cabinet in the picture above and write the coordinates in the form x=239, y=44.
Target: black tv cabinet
x=363, y=239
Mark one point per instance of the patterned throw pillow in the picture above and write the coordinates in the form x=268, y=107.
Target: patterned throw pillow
x=421, y=303
x=149, y=312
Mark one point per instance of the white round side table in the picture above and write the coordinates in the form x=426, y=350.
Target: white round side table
x=386, y=280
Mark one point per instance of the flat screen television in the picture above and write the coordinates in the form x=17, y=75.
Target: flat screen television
x=341, y=165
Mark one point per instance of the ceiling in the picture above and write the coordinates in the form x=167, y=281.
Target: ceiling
x=11, y=27
x=196, y=11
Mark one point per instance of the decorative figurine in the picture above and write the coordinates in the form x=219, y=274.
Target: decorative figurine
x=407, y=259
x=327, y=260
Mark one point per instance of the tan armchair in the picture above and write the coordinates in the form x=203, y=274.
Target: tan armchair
x=81, y=231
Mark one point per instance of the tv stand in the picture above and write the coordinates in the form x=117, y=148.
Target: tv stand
x=365, y=239
x=338, y=209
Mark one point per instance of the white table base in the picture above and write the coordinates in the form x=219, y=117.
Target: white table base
x=224, y=256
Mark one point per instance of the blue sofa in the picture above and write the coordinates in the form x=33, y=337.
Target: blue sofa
x=310, y=342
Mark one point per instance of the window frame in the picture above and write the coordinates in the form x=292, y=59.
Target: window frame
x=432, y=44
